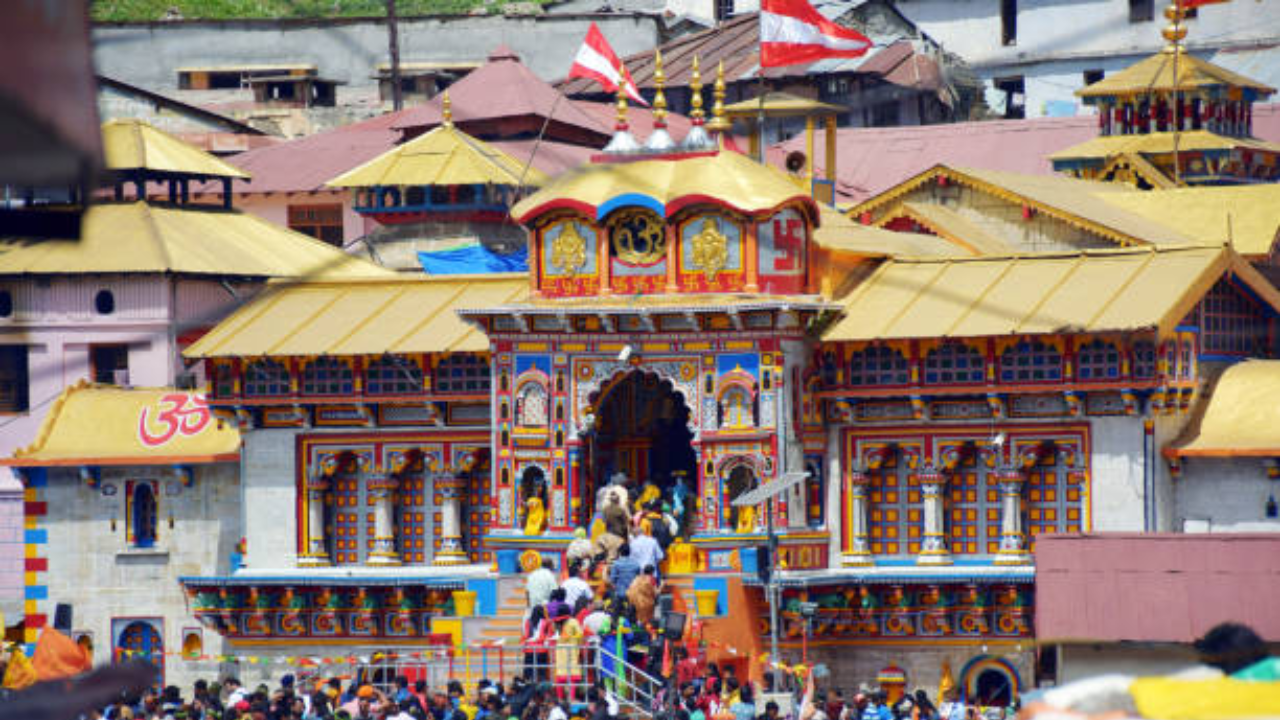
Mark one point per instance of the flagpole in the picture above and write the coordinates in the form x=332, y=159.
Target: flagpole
x=1174, y=36
x=760, y=115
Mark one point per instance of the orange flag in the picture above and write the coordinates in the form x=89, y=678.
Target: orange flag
x=19, y=674
x=58, y=656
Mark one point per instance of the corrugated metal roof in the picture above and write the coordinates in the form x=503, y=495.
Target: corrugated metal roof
x=502, y=87
x=104, y=425
x=443, y=156
x=1093, y=291
x=1160, y=143
x=1076, y=202
x=956, y=228
x=666, y=185
x=781, y=103
x=1248, y=216
x=1238, y=416
x=141, y=238
x=842, y=234
x=1155, y=74
x=1104, y=587
x=400, y=315
x=135, y=145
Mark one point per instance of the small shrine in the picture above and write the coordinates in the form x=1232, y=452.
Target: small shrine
x=1173, y=119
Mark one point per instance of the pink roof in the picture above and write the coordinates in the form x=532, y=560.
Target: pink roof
x=639, y=119
x=503, y=87
x=872, y=160
x=552, y=157
x=1157, y=587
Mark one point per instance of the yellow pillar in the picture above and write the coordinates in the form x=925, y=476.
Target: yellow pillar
x=602, y=255
x=752, y=259
x=831, y=148
x=673, y=239
x=808, y=151
x=754, y=148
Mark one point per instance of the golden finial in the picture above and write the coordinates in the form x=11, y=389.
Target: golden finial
x=621, y=106
x=659, y=99
x=1175, y=32
x=718, y=121
x=447, y=110
x=695, y=88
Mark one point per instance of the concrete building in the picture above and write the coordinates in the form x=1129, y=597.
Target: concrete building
x=1033, y=55
x=214, y=63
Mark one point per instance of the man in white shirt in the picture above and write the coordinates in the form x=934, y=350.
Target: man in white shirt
x=540, y=583
x=575, y=587
x=645, y=550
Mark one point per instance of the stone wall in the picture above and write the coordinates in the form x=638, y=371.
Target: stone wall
x=1224, y=495
x=109, y=583
x=852, y=667
x=271, y=498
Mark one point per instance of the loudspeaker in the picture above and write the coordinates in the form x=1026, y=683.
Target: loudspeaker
x=673, y=625
x=62, y=618
x=764, y=564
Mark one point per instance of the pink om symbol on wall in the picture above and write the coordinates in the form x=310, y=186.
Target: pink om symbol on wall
x=184, y=414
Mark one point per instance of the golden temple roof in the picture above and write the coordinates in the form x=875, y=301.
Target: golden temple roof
x=1239, y=415
x=361, y=317
x=1159, y=144
x=842, y=234
x=1247, y=216
x=135, y=145
x=1092, y=291
x=1079, y=203
x=1155, y=74
x=967, y=236
x=105, y=425
x=443, y=156
x=666, y=185
x=139, y=237
x=781, y=104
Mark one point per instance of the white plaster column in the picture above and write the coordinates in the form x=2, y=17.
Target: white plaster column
x=858, y=554
x=1013, y=541
x=451, y=552
x=315, y=554
x=382, y=490
x=933, y=551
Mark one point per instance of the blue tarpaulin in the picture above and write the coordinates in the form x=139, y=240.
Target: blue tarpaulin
x=472, y=260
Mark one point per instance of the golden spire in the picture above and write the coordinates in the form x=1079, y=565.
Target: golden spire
x=718, y=121
x=659, y=99
x=621, y=116
x=695, y=88
x=447, y=110
x=1175, y=32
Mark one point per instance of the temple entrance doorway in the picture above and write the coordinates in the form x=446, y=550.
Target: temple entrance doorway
x=641, y=433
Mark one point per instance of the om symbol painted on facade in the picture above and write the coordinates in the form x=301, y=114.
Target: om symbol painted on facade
x=185, y=414
x=569, y=250
x=710, y=249
x=638, y=237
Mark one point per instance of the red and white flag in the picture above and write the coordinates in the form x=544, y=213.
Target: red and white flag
x=596, y=60
x=1193, y=4
x=792, y=32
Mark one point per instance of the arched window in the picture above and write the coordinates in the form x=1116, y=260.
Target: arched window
x=878, y=365
x=140, y=640
x=531, y=405
x=1031, y=361
x=1144, y=359
x=327, y=376
x=1098, y=360
x=952, y=363
x=142, y=515
x=266, y=377
x=393, y=375
x=462, y=373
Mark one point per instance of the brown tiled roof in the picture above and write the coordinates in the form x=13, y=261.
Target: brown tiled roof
x=1162, y=587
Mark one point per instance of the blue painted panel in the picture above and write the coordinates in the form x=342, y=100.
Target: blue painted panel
x=35, y=537
x=747, y=361
x=631, y=200
x=533, y=362
x=486, y=590
x=37, y=592
x=719, y=584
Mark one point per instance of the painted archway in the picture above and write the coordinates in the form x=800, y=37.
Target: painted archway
x=989, y=680
x=594, y=378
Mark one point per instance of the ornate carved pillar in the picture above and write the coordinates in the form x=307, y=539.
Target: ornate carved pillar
x=1013, y=541
x=858, y=553
x=933, y=551
x=315, y=554
x=382, y=491
x=451, y=489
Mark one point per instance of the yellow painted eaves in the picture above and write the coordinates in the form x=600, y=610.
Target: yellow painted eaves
x=443, y=156
x=1155, y=74
x=135, y=145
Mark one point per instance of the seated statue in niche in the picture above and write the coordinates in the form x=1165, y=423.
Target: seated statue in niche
x=535, y=518
x=746, y=519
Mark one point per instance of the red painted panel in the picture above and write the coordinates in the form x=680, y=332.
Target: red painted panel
x=37, y=564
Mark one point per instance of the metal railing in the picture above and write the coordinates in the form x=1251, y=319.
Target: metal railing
x=632, y=687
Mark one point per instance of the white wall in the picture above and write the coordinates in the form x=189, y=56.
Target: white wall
x=268, y=459
x=92, y=567
x=1224, y=495
x=1082, y=661
x=1116, y=498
